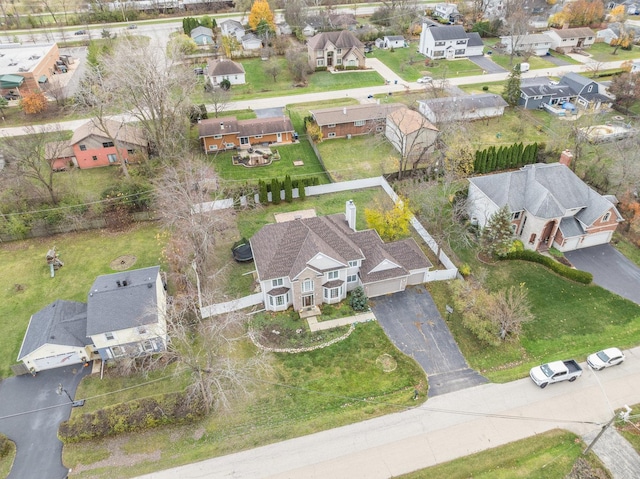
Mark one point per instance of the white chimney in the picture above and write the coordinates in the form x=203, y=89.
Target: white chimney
x=221, y=126
x=344, y=110
x=350, y=214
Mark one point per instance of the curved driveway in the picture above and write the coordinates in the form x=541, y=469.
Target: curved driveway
x=30, y=412
x=414, y=325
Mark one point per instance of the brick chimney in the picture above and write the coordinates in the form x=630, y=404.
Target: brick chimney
x=566, y=158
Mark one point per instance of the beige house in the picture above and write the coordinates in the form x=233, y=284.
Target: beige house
x=335, y=49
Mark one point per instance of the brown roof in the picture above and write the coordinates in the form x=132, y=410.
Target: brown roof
x=348, y=114
x=341, y=39
x=285, y=249
x=58, y=149
x=408, y=120
x=256, y=126
x=574, y=32
x=123, y=132
x=223, y=67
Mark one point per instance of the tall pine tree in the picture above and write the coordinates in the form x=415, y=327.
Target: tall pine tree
x=511, y=93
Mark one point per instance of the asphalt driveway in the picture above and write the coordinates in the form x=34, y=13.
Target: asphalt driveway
x=610, y=268
x=30, y=412
x=487, y=64
x=413, y=323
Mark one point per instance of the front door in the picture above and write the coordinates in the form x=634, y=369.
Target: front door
x=307, y=301
x=545, y=237
x=279, y=137
x=329, y=59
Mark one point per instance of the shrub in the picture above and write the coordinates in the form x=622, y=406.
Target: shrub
x=275, y=191
x=288, y=189
x=565, y=271
x=172, y=408
x=485, y=88
x=5, y=445
x=358, y=300
x=263, y=195
x=465, y=269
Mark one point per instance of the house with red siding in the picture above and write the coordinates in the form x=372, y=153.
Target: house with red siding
x=344, y=122
x=92, y=147
x=227, y=133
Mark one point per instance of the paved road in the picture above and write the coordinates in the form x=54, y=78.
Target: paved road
x=444, y=428
x=610, y=269
x=30, y=412
x=413, y=323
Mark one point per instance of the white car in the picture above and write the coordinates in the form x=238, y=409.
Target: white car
x=605, y=358
x=425, y=80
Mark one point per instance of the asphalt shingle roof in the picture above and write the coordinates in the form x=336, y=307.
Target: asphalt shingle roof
x=348, y=114
x=223, y=67
x=341, y=39
x=120, y=131
x=453, y=32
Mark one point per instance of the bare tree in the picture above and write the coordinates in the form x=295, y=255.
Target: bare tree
x=55, y=89
x=34, y=154
x=272, y=68
x=515, y=24
x=594, y=67
x=219, y=98
x=510, y=309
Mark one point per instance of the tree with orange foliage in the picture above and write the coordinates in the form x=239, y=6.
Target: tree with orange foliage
x=580, y=13
x=617, y=14
x=33, y=103
x=630, y=209
x=260, y=11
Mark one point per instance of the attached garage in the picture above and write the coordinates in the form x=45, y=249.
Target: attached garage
x=388, y=286
x=595, y=239
x=416, y=277
x=58, y=361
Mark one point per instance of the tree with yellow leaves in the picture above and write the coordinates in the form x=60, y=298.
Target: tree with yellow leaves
x=391, y=224
x=33, y=103
x=580, y=13
x=260, y=11
x=617, y=14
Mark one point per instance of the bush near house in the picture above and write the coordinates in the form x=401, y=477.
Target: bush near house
x=553, y=265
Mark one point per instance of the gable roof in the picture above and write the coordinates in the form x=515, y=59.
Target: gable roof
x=452, y=32
x=230, y=25
x=61, y=322
x=58, y=149
x=529, y=39
x=348, y=114
x=394, y=38
x=341, y=39
x=464, y=103
x=573, y=32
x=123, y=132
x=218, y=126
x=474, y=40
x=544, y=190
x=408, y=120
x=201, y=31
x=285, y=249
x=224, y=67
x=123, y=300
x=257, y=126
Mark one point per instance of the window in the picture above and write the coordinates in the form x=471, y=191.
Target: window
x=117, y=351
x=94, y=158
x=331, y=134
x=307, y=286
x=460, y=52
x=331, y=293
x=331, y=125
x=461, y=42
x=257, y=137
x=112, y=158
x=109, y=336
x=516, y=215
x=213, y=147
x=606, y=217
x=537, y=97
x=107, y=144
x=440, y=44
x=513, y=228
x=147, y=346
x=352, y=278
x=217, y=137
x=321, y=62
x=590, y=89
x=277, y=282
x=359, y=123
x=230, y=145
x=338, y=61
x=280, y=300
x=83, y=147
x=333, y=274
x=339, y=51
x=353, y=264
x=130, y=152
x=532, y=238
x=438, y=53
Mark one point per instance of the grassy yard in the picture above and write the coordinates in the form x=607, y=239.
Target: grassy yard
x=536, y=63
x=359, y=157
x=26, y=287
x=601, y=52
x=631, y=431
x=572, y=320
x=305, y=393
x=89, y=184
x=550, y=455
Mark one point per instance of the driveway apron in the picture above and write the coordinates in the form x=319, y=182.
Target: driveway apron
x=30, y=413
x=487, y=64
x=413, y=323
x=610, y=268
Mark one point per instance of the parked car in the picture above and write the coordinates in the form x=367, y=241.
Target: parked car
x=132, y=27
x=11, y=96
x=425, y=80
x=198, y=71
x=555, y=372
x=81, y=32
x=605, y=358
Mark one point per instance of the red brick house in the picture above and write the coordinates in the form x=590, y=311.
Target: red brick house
x=91, y=147
x=343, y=122
x=227, y=133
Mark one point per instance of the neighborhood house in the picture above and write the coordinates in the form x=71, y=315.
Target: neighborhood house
x=220, y=70
x=333, y=49
x=449, y=42
x=344, y=122
x=573, y=89
x=125, y=315
x=549, y=205
x=227, y=133
x=410, y=133
x=457, y=108
x=566, y=39
x=536, y=44
x=303, y=263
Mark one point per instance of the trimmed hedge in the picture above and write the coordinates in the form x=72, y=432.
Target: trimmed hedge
x=5, y=445
x=553, y=265
x=129, y=416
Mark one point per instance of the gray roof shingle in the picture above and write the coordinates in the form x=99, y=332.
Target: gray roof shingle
x=348, y=114
x=453, y=32
x=341, y=39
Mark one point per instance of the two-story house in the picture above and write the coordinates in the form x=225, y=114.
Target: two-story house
x=125, y=315
x=347, y=121
x=549, y=204
x=227, y=133
x=447, y=12
x=566, y=39
x=572, y=88
x=232, y=28
x=449, y=42
x=335, y=49
x=303, y=263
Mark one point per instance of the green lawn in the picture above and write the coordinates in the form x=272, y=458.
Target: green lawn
x=536, y=63
x=26, y=286
x=631, y=431
x=601, y=52
x=550, y=455
x=359, y=157
x=305, y=393
x=6, y=460
x=88, y=184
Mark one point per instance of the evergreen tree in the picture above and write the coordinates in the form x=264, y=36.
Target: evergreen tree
x=358, y=300
x=511, y=93
x=288, y=189
x=497, y=235
x=275, y=191
x=302, y=193
x=476, y=162
x=263, y=195
x=534, y=154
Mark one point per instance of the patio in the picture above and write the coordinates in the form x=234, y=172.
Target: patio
x=255, y=157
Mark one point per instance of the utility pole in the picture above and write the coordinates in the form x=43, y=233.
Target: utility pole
x=602, y=431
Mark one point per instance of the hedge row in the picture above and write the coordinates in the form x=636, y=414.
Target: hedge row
x=130, y=416
x=5, y=445
x=562, y=270
x=505, y=157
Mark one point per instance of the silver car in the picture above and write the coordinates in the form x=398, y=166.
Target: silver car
x=605, y=358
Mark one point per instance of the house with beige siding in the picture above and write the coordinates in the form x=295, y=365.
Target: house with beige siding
x=335, y=49
x=306, y=262
x=410, y=133
x=347, y=121
x=227, y=133
x=566, y=39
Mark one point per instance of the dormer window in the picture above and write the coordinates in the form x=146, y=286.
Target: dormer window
x=606, y=217
x=353, y=264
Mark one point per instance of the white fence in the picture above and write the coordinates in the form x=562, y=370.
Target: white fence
x=438, y=275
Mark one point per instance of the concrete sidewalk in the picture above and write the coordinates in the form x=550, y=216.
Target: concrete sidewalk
x=444, y=428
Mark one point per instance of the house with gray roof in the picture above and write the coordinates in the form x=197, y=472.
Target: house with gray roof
x=449, y=42
x=447, y=12
x=572, y=88
x=223, y=69
x=536, y=43
x=125, y=315
x=202, y=35
x=566, y=39
x=353, y=120
x=549, y=205
x=335, y=49
x=232, y=28
x=303, y=263
x=467, y=107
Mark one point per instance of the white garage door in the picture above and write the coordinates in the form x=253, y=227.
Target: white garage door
x=416, y=278
x=384, y=287
x=57, y=361
x=596, y=239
